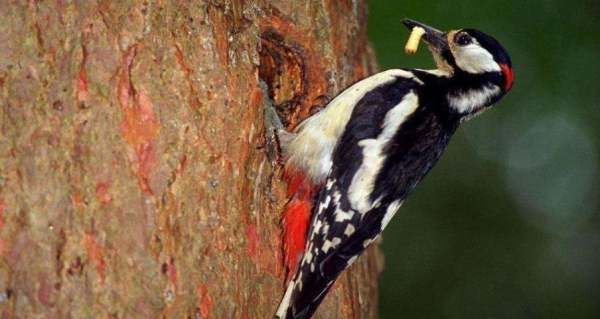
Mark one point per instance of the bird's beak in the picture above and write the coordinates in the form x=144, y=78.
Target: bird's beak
x=435, y=38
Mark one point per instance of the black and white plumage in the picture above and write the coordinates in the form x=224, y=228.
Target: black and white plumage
x=375, y=142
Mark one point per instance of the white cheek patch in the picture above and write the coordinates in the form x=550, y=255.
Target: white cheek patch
x=474, y=59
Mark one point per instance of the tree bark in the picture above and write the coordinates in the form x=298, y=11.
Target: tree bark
x=134, y=181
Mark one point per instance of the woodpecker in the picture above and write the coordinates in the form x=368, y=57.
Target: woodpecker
x=350, y=166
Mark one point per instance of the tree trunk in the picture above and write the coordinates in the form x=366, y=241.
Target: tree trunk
x=134, y=181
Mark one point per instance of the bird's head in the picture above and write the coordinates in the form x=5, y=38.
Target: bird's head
x=478, y=64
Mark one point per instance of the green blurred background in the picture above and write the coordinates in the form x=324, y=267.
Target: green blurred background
x=507, y=225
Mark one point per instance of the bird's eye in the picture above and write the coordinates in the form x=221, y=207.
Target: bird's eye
x=463, y=39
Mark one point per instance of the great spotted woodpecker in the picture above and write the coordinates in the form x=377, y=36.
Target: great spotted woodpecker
x=350, y=166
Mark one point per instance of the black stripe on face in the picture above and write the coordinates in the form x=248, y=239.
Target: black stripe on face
x=449, y=57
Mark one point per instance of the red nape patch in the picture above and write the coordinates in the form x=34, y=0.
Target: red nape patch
x=296, y=217
x=508, y=76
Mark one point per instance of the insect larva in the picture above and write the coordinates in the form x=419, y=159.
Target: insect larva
x=413, y=41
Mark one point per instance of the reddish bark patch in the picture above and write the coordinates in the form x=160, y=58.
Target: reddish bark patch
x=96, y=254
x=172, y=271
x=44, y=292
x=193, y=100
x=2, y=207
x=181, y=61
x=146, y=161
x=220, y=30
x=276, y=241
x=348, y=47
x=182, y=165
x=82, y=82
x=3, y=248
x=124, y=87
x=205, y=302
x=75, y=267
x=252, y=240
x=140, y=125
x=102, y=193
x=77, y=199
x=82, y=86
x=256, y=97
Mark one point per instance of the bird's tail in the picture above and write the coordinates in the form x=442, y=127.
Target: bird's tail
x=302, y=300
x=310, y=284
x=285, y=302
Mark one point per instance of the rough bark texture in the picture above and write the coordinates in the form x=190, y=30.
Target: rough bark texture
x=133, y=180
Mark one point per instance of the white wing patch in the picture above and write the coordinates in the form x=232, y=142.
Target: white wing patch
x=311, y=149
x=363, y=180
x=466, y=102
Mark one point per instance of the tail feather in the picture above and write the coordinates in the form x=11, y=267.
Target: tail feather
x=302, y=302
x=285, y=302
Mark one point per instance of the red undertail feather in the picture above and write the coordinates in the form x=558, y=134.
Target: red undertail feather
x=296, y=217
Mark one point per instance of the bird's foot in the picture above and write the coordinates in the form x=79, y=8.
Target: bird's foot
x=276, y=137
